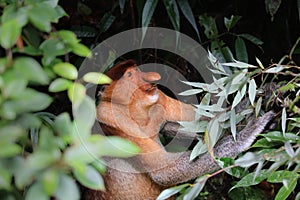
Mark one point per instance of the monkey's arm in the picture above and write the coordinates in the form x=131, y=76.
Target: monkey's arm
x=180, y=169
x=176, y=110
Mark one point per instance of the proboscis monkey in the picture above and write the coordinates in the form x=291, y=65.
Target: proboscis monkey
x=133, y=107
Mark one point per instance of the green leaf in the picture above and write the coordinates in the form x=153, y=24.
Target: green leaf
x=63, y=126
x=233, y=123
x=31, y=70
x=258, y=106
x=199, y=149
x=252, y=91
x=53, y=47
x=249, y=180
x=283, y=121
x=36, y=192
x=50, y=180
x=275, y=70
x=171, y=191
x=251, y=38
x=230, y=23
x=10, y=150
x=122, y=4
x=96, y=78
x=10, y=12
x=41, y=15
x=84, y=113
x=5, y=179
x=196, y=188
x=43, y=159
x=210, y=27
x=67, y=189
x=147, y=14
x=247, y=160
x=81, y=50
x=66, y=70
x=173, y=13
x=40, y=19
x=188, y=13
x=281, y=176
x=240, y=50
x=106, y=21
x=68, y=37
x=59, y=84
x=190, y=92
x=90, y=178
x=76, y=93
x=31, y=100
x=99, y=165
x=287, y=189
x=9, y=32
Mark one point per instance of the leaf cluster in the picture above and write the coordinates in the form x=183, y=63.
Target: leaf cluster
x=43, y=155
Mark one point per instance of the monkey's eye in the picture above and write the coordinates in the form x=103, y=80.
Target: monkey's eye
x=129, y=74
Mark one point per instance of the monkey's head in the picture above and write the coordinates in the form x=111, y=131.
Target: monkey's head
x=129, y=84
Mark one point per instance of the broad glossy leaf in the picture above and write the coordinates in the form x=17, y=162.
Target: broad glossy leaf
x=59, y=84
x=50, y=180
x=5, y=180
x=76, y=93
x=9, y=32
x=96, y=78
x=90, y=178
x=36, y=192
x=53, y=47
x=85, y=112
x=81, y=50
x=67, y=189
x=31, y=70
x=63, y=126
x=66, y=70
x=68, y=37
x=42, y=159
x=31, y=100
x=11, y=12
x=41, y=15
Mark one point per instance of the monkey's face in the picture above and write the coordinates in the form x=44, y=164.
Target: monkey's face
x=134, y=86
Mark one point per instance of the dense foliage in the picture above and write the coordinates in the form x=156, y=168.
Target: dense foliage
x=46, y=152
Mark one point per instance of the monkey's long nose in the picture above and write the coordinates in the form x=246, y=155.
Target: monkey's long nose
x=151, y=76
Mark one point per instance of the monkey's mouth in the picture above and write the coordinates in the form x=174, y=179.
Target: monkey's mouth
x=150, y=88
